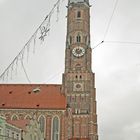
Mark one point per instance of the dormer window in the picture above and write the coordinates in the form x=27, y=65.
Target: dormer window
x=36, y=90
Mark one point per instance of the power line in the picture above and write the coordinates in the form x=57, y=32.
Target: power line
x=41, y=32
x=116, y=42
x=27, y=77
x=98, y=45
x=109, y=23
x=55, y=75
x=122, y=42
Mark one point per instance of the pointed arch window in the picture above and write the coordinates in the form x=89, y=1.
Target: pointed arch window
x=55, y=129
x=28, y=117
x=78, y=38
x=42, y=124
x=14, y=117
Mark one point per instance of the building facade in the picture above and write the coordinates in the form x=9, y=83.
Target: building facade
x=9, y=131
x=67, y=111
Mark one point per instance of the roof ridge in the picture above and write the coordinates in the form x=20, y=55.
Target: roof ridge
x=30, y=84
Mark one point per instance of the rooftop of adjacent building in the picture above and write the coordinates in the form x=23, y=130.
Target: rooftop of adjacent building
x=21, y=124
x=31, y=96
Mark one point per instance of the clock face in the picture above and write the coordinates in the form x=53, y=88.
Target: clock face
x=78, y=51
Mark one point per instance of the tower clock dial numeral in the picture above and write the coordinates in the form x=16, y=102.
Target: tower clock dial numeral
x=78, y=51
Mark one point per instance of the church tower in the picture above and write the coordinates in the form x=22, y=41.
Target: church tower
x=78, y=78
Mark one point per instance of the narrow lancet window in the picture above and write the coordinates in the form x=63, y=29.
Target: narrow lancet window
x=70, y=39
x=56, y=131
x=42, y=124
x=78, y=14
x=78, y=39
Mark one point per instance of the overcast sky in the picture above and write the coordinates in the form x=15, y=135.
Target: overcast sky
x=116, y=65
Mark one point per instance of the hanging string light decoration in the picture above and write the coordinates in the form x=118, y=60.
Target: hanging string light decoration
x=39, y=35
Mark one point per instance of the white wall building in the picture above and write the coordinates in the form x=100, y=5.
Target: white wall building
x=9, y=131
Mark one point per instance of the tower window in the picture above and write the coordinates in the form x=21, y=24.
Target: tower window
x=70, y=40
x=78, y=14
x=78, y=38
x=86, y=39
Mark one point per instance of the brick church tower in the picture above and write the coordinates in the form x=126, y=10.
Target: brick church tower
x=78, y=78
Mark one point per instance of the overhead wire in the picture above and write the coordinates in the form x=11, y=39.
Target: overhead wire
x=122, y=42
x=97, y=45
x=55, y=75
x=109, y=23
x=27, y=77
x=116, y=42
x=107, y=29
x=33, y=37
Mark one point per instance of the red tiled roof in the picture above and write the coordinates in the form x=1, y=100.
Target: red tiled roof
x=31, y=97
x=19, y=123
